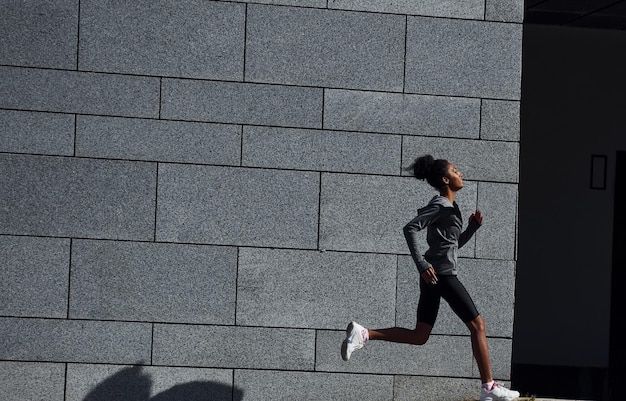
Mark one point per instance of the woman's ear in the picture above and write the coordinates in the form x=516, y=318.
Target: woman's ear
x=445, y=180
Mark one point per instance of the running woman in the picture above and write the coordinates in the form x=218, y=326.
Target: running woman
x=438, y=274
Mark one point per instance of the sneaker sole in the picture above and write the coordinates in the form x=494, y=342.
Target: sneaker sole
x=344, y=345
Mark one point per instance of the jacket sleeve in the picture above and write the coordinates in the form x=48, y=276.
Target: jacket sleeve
x=465, y=236
x=424, y=217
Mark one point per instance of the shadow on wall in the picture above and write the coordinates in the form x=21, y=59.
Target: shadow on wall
x=131, y=384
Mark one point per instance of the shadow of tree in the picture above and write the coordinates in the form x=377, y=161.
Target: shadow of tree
x=131, y=384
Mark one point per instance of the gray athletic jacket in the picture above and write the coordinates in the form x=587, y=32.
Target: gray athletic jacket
x=444, y=235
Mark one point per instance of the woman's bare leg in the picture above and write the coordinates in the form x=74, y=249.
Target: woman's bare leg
x=480, y=348
x=418, y=336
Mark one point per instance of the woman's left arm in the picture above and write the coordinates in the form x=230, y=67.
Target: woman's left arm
x=475, y=221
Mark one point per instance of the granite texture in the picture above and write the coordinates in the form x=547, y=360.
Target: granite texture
x=463, y=58
x=494, y=161
x=321, y=150
x=310, y=289
x=332, y=48
x=435, y=388
x=470, y=9
x=234, y=347
x=241, y=103
x=401, y=113
x=153, y=282
x=496, y=239
x=31, y=381
x=237, y=206
x=440, y=356
x=78, y=92
x=273, y=386
x=504, y=10
x=34, y=276
x=116, y=382
x=500, y=120
x=149, y=38
x=40, y=133
x=168, y=141
x=39, y=33
x=85, y=341
x=299, y=3
x=490, y=283
x=57, y=196
x=367, y=213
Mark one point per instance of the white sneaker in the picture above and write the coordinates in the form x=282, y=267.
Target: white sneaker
x=498, y=393
x=355, y=339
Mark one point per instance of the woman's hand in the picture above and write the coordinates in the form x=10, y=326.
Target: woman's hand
x=429, y=275
x=478, y=216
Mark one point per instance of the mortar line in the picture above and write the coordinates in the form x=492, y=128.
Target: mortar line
x=156, y=202
x=241, y=147
x=75, y=131
x=480, y=119
x=319, y=210
x=65, y=382
x=323, y=106
x=406, y=35
x=78, y=37
x=245, y=41
x=69, y=279
x=236, y=283
x=160, y=95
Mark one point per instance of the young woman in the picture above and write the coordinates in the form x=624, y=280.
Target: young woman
x=438, y=274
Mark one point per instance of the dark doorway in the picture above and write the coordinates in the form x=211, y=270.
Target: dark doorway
x=617, y=357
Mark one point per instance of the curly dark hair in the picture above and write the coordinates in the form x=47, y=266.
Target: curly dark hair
x=431, y=169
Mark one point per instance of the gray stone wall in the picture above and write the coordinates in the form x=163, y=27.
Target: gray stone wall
x=197, y=196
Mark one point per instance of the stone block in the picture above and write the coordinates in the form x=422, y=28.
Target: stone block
x=261, y=385
x=28, y=381
x=115, y=382
x=367, y=213
x=463, y=58
x=236, y=206
x=496, y=238
x=504, y=10
x=79, y=92
x=410, y=388
x=74, y=341
x=471, y=9
x=241, y=103
x=490, y=283
x=234, y=347
x=186, y=38
x=321, y=150
x=325, y=48
x=440, y=356
x=401, y=113
x=42, y=133
x=34, y=276
x=307, y=289
x=494, y=161
x=39, y=33
x=153, y=282
x=500, y=120
x=157, y=140
x=299, y=3
x=55, y=196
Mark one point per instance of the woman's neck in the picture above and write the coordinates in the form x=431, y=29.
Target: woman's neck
x=447, y=193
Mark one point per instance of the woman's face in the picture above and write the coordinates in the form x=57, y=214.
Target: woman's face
x=455, y=178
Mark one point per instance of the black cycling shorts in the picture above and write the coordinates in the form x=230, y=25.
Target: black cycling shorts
x=449, y=288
